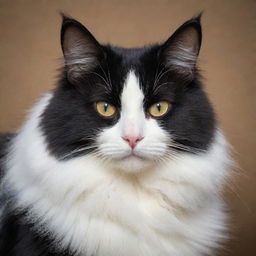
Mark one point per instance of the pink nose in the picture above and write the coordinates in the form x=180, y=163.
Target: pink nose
x=132, y=140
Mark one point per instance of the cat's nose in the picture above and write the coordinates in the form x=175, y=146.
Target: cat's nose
x=132, y=140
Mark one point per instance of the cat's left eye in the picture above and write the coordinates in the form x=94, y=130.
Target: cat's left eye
x=105, y=109
x=159, y=109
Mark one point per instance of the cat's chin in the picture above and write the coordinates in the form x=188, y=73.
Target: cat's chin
x=132, y=164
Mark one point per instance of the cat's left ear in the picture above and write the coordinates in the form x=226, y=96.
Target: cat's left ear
x=180, y=51
x=82, y=52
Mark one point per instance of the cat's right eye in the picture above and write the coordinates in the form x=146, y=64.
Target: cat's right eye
x=105, y=109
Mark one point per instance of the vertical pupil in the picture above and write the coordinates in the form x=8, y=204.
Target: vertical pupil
x=105, y=106
x=158, y=105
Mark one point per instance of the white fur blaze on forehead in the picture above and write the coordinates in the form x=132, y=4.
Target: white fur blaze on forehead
x=132, y=95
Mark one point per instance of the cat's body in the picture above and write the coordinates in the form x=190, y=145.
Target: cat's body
x=140, y=177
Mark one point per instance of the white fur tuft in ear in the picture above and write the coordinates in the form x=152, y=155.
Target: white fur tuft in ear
x=181, y=58
x=182, y=48
x=81, y=50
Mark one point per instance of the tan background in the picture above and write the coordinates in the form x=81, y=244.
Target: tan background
x=30, y=51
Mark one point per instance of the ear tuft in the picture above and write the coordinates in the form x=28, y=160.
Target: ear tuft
x=81, y=50
x=180, y=51
x=64, y=16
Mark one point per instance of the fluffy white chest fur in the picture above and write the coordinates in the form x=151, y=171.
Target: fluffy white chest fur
x=172, y=209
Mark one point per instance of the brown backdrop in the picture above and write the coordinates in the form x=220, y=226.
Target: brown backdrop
x=30, y=51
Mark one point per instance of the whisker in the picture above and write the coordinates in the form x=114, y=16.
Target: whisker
x=176, y=145
x=106, y=83
x=78, y=150
x=155, y=89
x=106, y=77
x=167, y=157
x=161, y=74
x=103, y=158
x=109, y=78
x=158, y=74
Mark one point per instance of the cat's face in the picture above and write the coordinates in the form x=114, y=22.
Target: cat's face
x=137, y=139
x=132, y=108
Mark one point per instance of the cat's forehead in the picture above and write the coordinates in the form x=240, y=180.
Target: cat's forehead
x=135, y=53
x=130, y=66
x=131, y=92
x=136, y=59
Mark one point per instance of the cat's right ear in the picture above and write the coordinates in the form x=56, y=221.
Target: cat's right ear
x=81, y=50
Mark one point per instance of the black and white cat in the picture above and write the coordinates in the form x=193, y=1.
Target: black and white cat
x=123, y=158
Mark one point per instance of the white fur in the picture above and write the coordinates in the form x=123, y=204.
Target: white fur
x=133, y=123
x=79, y=57
x=183, y=59
x=170, y=208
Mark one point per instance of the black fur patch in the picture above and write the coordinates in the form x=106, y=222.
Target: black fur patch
x=19, y=238
x=5, y=140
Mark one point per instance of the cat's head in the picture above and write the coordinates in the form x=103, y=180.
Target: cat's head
x=132, y=108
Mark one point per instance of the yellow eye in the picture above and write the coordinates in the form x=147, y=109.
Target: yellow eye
x=105, y=109
x=159, y=109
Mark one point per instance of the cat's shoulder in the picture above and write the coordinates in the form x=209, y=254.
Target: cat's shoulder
x=5, y=139
x=19, y=238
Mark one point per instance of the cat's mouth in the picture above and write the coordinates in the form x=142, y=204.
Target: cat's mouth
x=132, y=163
x=133, y=156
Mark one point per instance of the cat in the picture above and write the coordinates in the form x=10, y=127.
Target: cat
x=124, y=158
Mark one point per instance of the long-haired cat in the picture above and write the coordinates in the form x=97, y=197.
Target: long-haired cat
x=123, y=158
